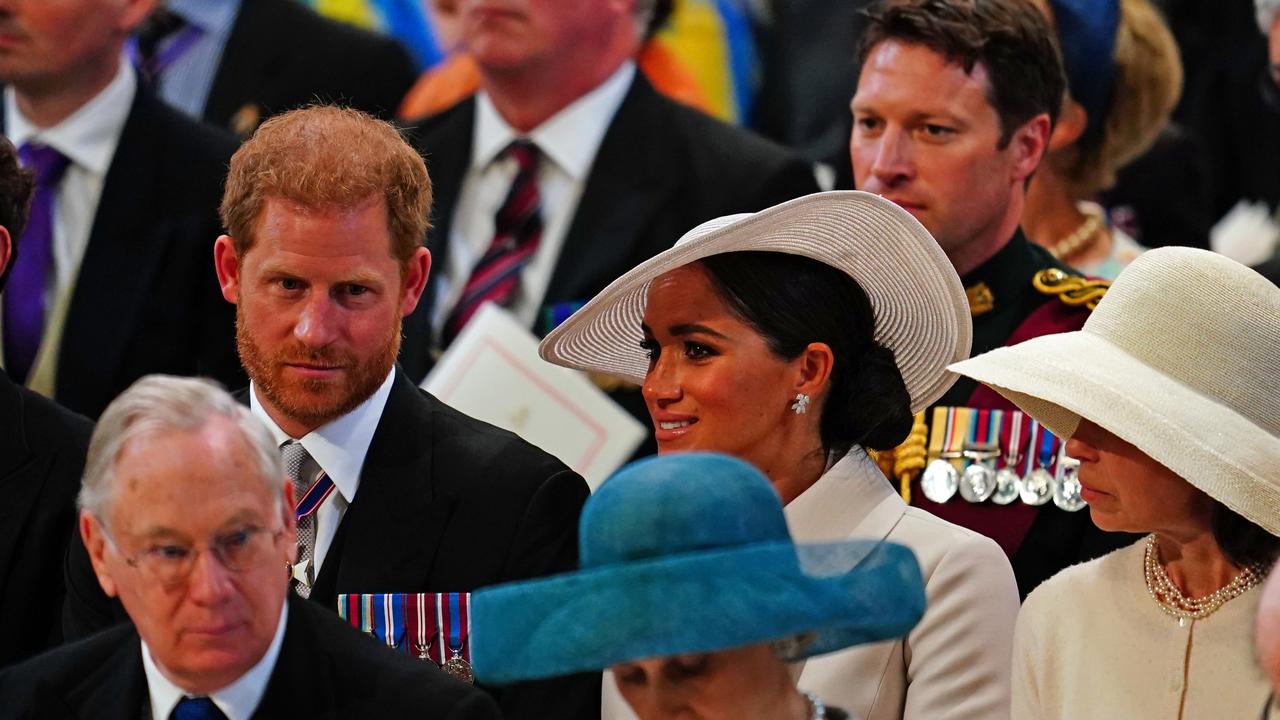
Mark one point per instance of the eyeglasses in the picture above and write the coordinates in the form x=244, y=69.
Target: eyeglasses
x=171, y=564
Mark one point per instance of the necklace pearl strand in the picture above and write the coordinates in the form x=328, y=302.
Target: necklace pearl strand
x=1174, y=603
x=817, y=711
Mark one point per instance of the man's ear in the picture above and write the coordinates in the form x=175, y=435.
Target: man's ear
x=1028, y=145
x=415, y=279
x=6, y=250
x=134, y=13
x=1071, y=124
x=95, y=542
x=227, y=266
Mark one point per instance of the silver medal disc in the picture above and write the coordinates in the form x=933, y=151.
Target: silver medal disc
x=1066, y=486
x=1006, y=486
x=461, y=669
x=1037, y=487
x=978, y=483
x=940, y=481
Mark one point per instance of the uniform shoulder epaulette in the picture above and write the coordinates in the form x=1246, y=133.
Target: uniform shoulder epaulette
x=1073, y=290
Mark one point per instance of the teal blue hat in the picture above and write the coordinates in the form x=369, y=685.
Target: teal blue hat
x=690, y=553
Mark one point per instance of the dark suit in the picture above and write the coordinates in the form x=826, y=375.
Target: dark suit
x=325, y=670
x=447, y=503
x=146, y=299
x=662, y=168
x=42, y=449
x=281, y=55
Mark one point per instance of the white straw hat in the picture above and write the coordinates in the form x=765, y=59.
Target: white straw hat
x=920, y=308
x=1180, y=359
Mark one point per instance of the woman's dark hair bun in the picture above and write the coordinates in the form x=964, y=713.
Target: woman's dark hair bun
x=878, y=402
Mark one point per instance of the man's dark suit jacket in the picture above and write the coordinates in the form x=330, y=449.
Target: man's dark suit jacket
x=147, y=299
x=281, y=55
x=447, y=503
x=662, y=168
x=42, y=449
x=325, y=670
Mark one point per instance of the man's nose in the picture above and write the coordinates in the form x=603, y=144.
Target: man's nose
x=892, y=162
x=210, y=580
x=316, y=326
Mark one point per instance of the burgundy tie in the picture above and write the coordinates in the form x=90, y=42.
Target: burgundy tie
x=517, y=231
x=24, y=296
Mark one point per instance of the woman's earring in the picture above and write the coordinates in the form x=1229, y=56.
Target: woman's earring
x=801, y=404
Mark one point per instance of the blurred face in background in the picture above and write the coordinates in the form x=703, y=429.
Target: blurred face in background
x=748, y=683
x=46, y=45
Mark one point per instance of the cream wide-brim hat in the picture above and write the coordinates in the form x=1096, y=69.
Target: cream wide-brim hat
x=1181, y=359
x=920, y=308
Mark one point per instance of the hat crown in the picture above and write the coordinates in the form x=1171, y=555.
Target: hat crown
x=1172, y=310
x=677, y=504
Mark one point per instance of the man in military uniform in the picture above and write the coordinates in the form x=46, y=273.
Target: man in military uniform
x=953, y=112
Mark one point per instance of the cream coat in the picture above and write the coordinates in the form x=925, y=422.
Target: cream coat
x=955, y=665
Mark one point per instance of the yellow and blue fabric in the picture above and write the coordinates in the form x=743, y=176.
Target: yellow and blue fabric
x=690, y=553
x=403, y=20
x=714, y=39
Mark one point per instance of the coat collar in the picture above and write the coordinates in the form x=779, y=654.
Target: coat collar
x=853, y=497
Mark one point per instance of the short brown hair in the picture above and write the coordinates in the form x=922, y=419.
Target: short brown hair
x=1148, y=83
x=1010, y=38
x=326, y=157
x=16, y=187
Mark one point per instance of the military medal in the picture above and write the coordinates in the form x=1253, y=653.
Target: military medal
x=421, y=632
x=459, y=631
x=941, y=479
x=1066, y=486
x=1007, y=476
x=979, y=480
x=1036, y=487
x=392, y=612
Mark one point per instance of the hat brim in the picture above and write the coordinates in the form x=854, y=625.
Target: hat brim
x=843, y=593
x=920, y=308
x=1058, y=379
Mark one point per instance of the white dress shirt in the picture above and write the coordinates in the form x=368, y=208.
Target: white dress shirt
x=237, y=701
x=339, y=448
x=186, y=82
x=88, y=138
x=567, y=143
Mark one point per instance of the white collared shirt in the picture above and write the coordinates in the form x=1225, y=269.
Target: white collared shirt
x=186, y=83
x=568, y=142
x=89, y=138
x=237, y=701
x=339, y=448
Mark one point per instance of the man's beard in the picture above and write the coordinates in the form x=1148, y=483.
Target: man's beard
x=313, y=402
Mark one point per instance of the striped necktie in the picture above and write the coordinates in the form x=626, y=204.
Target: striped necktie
x=311, y=486
x=517, y=232
x=25, y=297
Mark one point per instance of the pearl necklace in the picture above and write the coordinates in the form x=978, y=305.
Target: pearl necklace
x=817, y=711
x=1080, y=238
x=1174, y=603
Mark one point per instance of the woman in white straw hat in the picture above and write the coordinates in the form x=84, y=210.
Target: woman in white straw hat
x=795, y=338
x=1169, y=397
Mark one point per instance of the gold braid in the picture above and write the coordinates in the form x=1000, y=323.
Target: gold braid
x=1070, y=289
x=909, y=458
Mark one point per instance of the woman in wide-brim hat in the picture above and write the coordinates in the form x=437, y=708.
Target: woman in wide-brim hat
x=796, y=338
x=691, y=588
x=1169, y=396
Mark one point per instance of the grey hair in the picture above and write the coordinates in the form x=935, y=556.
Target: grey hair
x=792, y=647
x=1267, y=11
x=159, y=403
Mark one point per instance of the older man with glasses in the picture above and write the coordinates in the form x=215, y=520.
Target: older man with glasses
x=185, y=512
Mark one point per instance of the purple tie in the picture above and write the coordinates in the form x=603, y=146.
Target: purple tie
x=24, y=297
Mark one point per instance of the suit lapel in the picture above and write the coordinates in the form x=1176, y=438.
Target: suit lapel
x=629, y=183
x=20, y=479
x=120, y=260
x=115, y=690
x=388, y=538
x=301, y=686
x=250, y=58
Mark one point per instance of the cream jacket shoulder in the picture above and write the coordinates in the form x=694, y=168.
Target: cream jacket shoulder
x=955, y=665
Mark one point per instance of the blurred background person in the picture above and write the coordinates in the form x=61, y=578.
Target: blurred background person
x=797, y=338
x=185, y=510
x=113, y=281
x=692, y=590
x=1169, y=399
x=234, y=63
x=1268, y=639
x=1124, y=78
x=42, y=449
